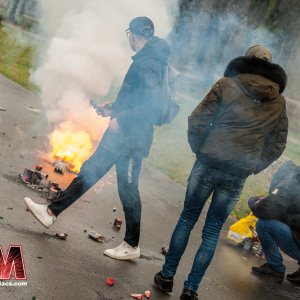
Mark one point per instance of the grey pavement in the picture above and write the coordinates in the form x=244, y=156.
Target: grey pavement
x=76, y=268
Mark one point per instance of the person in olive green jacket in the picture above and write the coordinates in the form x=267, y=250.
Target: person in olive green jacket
x=238, y=129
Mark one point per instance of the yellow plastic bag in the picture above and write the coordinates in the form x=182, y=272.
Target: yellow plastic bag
x=240, y=230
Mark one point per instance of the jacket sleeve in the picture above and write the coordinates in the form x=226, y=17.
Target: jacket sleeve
x=203, y=116
x=150, y=77
x=269, y=207
x=275, y=143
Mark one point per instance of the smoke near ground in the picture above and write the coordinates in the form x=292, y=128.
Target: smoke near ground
x=85, y=51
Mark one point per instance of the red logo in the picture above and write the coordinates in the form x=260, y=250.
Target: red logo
x=13, y=261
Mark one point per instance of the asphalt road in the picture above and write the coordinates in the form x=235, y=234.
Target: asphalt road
x=76, y=268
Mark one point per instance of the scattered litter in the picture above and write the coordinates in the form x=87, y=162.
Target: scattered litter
x=33, y=177
x=34, y=137
x=60, y=167
x=137, y=296
x=244, y=258
x=61, y=236
x=40, y=257
x=117, y=224
x=96, y=236
x=2, y=108
x=147, y=294
x=84, y=230
x=1, y=218
x=39, y=167
x=54, y=191
x=10, y=208
x=110, y=281
x=36, y=110
x=114, y=209
x=164, y=249
x=39, y=181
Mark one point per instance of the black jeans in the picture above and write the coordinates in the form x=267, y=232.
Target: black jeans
x=128, y=171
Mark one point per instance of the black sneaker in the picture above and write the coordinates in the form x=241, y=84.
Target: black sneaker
x=188, y=295
x=294, y=277
x=268, y=272
x=164, y=283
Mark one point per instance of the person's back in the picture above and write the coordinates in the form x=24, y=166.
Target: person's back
x=235, y=124
x=238, y=129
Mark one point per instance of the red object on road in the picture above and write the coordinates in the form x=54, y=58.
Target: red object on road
x=137, y=296
x=39, y=167
x=147, y=294
x=110, y=281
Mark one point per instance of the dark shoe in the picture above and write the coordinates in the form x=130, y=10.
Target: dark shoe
x=294, y=277
x=268, y=272
x=188, y=295
x=164, y=283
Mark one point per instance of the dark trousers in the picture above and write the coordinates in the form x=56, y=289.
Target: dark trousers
x=128, y=171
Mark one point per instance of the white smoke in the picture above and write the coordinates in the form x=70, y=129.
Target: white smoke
x=86, y=50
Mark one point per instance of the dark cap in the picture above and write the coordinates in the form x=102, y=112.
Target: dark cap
x=142, y=26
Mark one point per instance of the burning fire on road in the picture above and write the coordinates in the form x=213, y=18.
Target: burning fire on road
x=71, y=145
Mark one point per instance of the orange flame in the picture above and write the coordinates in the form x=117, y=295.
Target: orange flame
x=70, y=145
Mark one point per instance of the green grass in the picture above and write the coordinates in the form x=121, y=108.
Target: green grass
x=15, y=56
x=170, y=152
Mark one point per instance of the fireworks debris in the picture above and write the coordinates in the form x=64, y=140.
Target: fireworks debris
x=39, y=167
x=60, y=167
x=39, y=181
x=164, y=249
x=61, y=236
x=96, y=236
x=110, y=281
x=2, y=108
x=137, y=296
x=147, y=294
x=36, y=110
x=117, y=224
x=34, y=177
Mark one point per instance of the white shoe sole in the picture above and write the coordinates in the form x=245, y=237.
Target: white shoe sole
x=129, y=257
x=37, y=217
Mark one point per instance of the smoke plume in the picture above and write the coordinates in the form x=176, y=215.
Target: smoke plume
x=85, y=51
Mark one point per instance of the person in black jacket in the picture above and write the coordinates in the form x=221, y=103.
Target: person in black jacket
x=279, y=223
x=127, y=140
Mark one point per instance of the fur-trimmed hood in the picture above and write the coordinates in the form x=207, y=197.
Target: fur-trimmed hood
x=245, y=70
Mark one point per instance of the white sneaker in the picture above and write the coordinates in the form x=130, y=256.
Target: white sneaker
x=40, y=212
x=124, y=252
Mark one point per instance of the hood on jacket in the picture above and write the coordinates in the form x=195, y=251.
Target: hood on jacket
x=157, y=48
x=258, y=78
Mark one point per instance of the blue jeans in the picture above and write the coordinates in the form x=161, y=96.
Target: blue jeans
x=202, y=182
x=274, y=234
